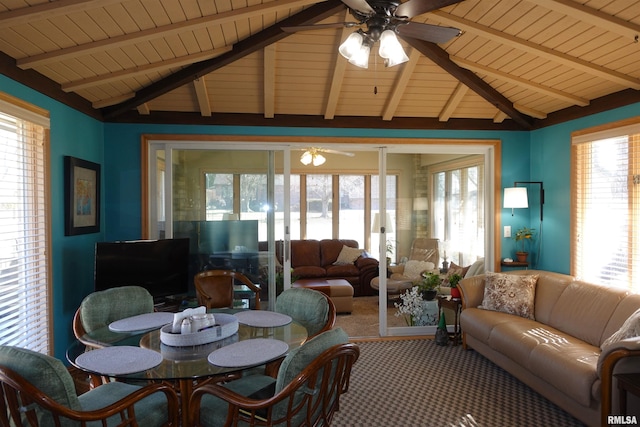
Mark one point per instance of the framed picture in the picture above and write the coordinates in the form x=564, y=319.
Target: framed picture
x=81, y=196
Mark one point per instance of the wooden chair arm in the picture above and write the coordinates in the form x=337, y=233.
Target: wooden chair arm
x=606, y=378
x=21, y=396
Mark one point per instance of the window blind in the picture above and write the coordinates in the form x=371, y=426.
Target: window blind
x=25, y=307
x=607, y=210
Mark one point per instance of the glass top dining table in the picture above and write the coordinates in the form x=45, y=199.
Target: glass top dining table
x=185, y=364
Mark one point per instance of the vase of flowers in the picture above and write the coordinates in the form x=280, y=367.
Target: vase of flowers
x=411, y=306
x=429, y=285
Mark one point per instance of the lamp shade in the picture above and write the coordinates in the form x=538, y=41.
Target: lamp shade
x=351, y=45
x=306, y=158
x=375, y=228
x=515, y=197
x=361, y=57
x=391, y=49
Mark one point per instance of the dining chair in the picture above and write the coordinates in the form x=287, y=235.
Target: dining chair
x=214, y=288
x=306, y=391
x=100, y=308
x=37, y=390
x=313, y=309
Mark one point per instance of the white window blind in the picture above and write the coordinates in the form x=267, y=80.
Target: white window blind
x=607, y=209
x=25, y=308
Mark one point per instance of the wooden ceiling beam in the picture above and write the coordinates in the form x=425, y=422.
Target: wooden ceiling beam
x=141, y=70
x=48, y=10
x=269, y=80
x=441, y=58
x=202, y=96
x=163, y=31
x=241, y=49
x=339, y=70
x=538, y=50
x=401, y=85
x=453, y=102
x=592, y=16
x=554, y=93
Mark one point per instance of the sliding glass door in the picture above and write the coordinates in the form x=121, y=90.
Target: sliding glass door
x=240, y=205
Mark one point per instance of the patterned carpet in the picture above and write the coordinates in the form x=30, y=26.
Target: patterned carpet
x=417, y=383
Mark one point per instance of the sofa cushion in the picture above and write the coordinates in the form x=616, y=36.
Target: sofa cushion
x=584, y=309
x=513, y=294
x=348, y=255
x=309, y=271
x=568, y=365
x=331, y=248
x=517, y=338
x=348, y=270
x=305, y=252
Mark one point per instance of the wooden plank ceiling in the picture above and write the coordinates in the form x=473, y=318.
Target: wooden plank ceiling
x=516, y=64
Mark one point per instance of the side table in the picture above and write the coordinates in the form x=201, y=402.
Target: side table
x=454, y=304
x=627, y=383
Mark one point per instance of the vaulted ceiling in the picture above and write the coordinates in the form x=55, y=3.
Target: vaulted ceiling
x=516, y=65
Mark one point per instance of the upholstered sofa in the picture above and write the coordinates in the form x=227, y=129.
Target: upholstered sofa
x=330, y=259
x=562, y=337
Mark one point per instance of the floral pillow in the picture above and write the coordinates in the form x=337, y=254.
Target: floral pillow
x=510, y=293
x=348, y=255
x=413, y=269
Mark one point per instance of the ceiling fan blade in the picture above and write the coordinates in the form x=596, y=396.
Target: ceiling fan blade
x=428, y=32
x=319, y=27
x=360, y=5
x=330, y=151
x=418, y=7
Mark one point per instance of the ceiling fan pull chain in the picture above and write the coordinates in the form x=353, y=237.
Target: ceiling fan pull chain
x=375, y=75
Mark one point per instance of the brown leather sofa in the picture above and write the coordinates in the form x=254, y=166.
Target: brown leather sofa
x=314, y=259
x=562, y=354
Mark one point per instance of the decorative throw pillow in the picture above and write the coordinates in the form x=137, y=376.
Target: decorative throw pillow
x=348, y=255
x=510, y=293
x=629, y=329
x=460, y=270
x=412, y=268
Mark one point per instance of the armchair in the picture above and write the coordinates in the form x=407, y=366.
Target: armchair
x=37, y=390
x=306, y=391
x=214, y=288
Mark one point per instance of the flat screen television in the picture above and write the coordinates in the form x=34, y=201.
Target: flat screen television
x=160, y=266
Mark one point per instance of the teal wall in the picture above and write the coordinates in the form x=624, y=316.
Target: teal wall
x=72, y=134
x=542, y=155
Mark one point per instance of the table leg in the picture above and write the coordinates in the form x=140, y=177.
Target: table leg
x=186, y=389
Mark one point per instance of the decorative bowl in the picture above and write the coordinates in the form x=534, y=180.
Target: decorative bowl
x=226, y=325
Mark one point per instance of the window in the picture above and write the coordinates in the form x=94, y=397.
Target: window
x=24, y=235
x=607, y=207
x=458, y=209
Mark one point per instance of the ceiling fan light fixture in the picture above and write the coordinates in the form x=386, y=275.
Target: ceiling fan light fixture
x=306, y=158
x=318, y=159
x=391, y=49
x=361, y=57
x=351, y=45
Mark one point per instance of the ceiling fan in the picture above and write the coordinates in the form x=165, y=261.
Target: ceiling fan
x=312, y=155
x=381, y=20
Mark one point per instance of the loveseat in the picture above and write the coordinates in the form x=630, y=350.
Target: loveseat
x=562, y=337
x=330, y=259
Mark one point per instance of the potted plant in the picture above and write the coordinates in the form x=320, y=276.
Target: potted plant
x=523, y=235
x=453, y=283
x=429, y=285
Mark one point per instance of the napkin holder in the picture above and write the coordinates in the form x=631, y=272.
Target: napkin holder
x=227, y=325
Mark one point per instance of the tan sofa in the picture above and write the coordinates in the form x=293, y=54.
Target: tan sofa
x=559, y=353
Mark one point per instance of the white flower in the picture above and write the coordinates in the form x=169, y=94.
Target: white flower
x=411, y=305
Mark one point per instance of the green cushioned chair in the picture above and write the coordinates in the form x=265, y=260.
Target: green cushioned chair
x=306, y=391
x=99, y=309
x=37, y=390
x=310, y=308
